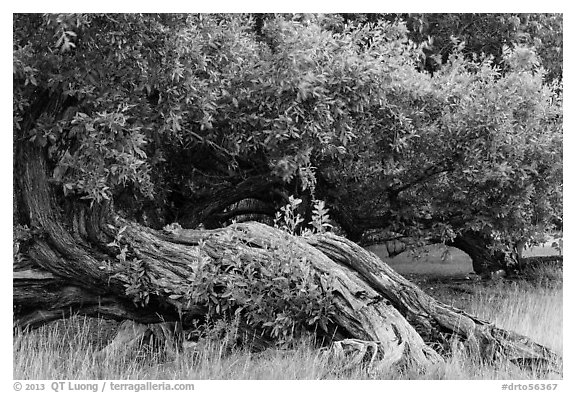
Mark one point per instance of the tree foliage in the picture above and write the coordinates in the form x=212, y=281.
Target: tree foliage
x=166, y=112
x=482, y=34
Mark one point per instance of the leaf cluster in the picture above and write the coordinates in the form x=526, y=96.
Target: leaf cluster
x=277, y=294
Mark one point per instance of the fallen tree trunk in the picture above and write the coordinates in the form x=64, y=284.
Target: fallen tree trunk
x=87, y=259
x=373, y=303
x=435, y=322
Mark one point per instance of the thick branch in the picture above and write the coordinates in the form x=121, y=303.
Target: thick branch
x=211, y=211
x=427, y=174
x=433, y=320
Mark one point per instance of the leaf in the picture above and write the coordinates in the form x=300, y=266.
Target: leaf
x=41, y=141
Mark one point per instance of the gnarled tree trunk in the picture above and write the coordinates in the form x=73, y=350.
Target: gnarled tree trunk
x=70, y=266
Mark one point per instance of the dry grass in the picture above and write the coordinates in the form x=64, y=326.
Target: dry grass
x=528, y=308
x=68, y=349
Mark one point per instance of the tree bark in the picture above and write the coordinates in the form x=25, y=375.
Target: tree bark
x=484, y=259
x=434, y=321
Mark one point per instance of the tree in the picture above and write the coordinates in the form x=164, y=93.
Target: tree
x=482, y=34
x=470, y=160
x=131, y=130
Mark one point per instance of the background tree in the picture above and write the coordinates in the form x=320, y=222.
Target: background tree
x=482, y=34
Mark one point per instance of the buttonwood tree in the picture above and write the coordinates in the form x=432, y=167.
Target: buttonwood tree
x=140, y=139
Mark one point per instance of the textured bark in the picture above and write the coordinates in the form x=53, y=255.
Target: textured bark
x=434, y=321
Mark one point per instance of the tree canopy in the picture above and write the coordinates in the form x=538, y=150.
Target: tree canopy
x=181, y=118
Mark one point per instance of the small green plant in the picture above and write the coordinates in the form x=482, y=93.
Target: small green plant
x=117, y=243
x=134, y=271
x=288, y=218
x=20, y=235
x=277, y=295
x=173, y=228
x=139, y=282
x=320, y=218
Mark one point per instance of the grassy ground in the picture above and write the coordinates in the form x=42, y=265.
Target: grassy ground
x=531, y=306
